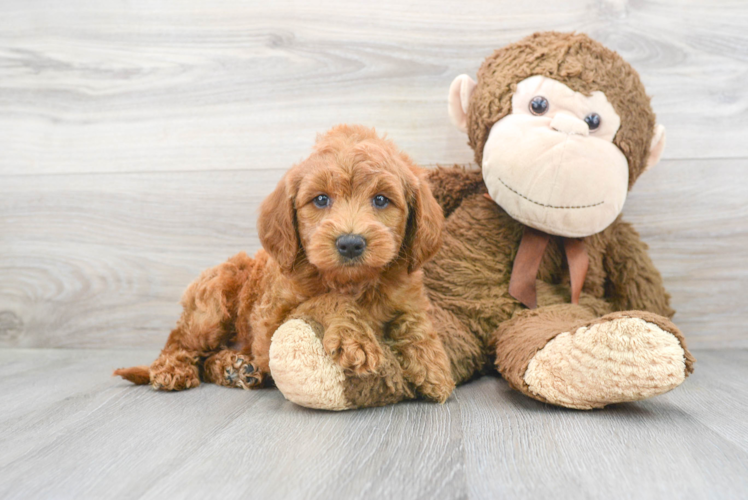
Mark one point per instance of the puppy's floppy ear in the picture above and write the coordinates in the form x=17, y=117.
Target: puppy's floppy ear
x=425, y=220
x=277, y=225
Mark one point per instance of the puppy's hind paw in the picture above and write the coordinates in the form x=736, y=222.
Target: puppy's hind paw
x=243, y=375
x=173, y=378
x=175, y=371
x=231, y=369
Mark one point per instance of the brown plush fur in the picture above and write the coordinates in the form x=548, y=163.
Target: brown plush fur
x=232, y=310
x=481, y=241
x=476, y=317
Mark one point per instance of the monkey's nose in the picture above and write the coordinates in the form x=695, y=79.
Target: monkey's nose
x=567, y=124
x=351, y=246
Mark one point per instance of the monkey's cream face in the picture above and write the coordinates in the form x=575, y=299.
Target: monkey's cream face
x=551, y=163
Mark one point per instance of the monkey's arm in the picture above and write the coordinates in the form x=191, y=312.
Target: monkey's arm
x=633, y=283
x=450, y=185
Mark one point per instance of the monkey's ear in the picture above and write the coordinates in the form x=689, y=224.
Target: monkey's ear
x=459, y=99
x=656, y=148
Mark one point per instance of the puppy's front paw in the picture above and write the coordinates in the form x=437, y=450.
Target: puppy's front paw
x=353, y=351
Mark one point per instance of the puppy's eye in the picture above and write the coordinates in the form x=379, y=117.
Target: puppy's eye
x=380, y=201
x=538, y=105
x=321, y=201
x=592, y=120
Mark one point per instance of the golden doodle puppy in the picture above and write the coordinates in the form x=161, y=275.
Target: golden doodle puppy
x=344, y=236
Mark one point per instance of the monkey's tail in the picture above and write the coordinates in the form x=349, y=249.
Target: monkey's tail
x=139, y=375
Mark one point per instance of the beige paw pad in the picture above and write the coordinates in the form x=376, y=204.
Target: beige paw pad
x=625, y=359
x=303, y=371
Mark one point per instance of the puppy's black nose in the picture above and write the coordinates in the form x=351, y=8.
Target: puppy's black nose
x=350, y=246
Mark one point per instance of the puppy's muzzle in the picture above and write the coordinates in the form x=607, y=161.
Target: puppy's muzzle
x=350, y=246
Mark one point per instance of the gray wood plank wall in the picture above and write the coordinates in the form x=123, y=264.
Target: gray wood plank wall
x=137, y=139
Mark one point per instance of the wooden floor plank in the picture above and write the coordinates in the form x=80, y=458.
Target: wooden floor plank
x=519, y=448
x=46, y=391
x=413, y=451
x=78, y=433
x=91, y=436
x=718, y=396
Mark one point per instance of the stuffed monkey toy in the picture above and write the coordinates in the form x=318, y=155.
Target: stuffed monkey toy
x=538, y=275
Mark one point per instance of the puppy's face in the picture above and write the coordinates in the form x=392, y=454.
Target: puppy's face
x=352, y=212
x=360, y=205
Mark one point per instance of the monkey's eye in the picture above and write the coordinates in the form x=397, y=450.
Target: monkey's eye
x=538, y=105
x=592, y=120
x=321, y=201
x=380, y=201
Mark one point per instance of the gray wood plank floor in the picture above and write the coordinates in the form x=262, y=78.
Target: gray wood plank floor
x=69, y=430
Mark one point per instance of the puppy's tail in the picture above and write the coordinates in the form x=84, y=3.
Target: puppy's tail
x=139, y=375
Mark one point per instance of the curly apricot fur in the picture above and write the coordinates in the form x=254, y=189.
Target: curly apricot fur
x=232, y=310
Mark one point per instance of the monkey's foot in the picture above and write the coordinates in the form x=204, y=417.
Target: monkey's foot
x=303, y=371
x=620, y=357
x=308, y=376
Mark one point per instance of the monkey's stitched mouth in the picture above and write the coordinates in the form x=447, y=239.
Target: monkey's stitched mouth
x=546, y=205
